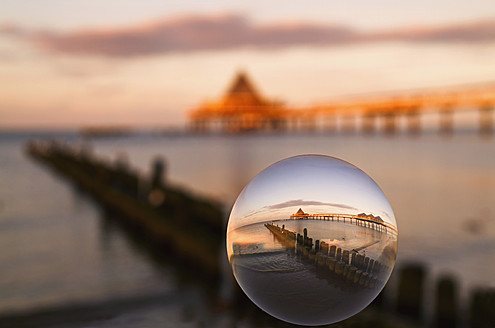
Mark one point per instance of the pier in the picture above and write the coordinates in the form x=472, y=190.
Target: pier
x=350, y=267
x=243, y=109
x=363, y=220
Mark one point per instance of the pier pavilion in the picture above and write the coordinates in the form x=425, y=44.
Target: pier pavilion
x=241, y=109
x=299, y=215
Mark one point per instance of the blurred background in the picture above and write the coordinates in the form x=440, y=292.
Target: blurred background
x=148, y=118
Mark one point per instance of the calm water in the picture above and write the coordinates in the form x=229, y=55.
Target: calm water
x=56, y=249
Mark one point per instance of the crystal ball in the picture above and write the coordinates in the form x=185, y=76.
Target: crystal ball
x=312, y=240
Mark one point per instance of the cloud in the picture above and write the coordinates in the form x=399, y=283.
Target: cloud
x=300, y=202
x=221, y=32
x=478, y=31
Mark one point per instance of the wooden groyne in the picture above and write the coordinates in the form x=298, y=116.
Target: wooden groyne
x=447, y=308
x=187, y=227
x=350, y=266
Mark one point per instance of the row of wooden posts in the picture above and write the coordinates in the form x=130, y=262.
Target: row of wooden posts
x=448, y=310
x=409, y=301
x=354, y=268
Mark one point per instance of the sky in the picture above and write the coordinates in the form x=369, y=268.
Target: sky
x=72, y=64
x=315, y=183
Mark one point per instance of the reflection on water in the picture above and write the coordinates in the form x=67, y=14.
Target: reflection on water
x=285, y=273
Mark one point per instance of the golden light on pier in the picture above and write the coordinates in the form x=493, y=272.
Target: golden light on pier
x=243, y=109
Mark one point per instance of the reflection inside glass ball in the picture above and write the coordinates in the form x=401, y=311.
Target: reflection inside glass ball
x=312, y=240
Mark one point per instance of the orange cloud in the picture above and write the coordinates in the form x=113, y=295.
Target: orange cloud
x=196, y=33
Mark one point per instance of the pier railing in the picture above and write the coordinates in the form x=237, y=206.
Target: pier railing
x=352, y=219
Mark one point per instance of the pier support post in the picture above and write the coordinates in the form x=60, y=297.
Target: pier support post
x=368, y=122
x=338, y=256
x=390, y=125
x=413, y=122
x=446, y=121
x=486, y=119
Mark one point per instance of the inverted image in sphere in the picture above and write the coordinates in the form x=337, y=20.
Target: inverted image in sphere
x=312, y=240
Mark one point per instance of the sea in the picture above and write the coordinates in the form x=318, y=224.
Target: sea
x=57, y=247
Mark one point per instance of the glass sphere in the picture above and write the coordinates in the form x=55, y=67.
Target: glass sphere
x=312, y=240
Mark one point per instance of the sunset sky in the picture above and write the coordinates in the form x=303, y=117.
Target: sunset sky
x=68, y=64
x=317, y=184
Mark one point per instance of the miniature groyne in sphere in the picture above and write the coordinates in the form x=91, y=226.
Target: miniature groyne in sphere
x=350, y=266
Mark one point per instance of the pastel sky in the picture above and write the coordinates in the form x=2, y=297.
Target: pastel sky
x=315, y=183
x=68, y=64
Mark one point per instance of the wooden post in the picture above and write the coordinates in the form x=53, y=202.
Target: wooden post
x=331, y=264
x=351, y=274
x=481, y=307
x=365, y=264
x=446, y=303
x=324, y=247
x=370, y=266
x=339, y=267
x=345, y=257
x=353, y=259
x=333, y=249
x=410, y=291
x=338, y=257
x=363, y=279
x=359, y=261
x=357, y=276
x=157, y=174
